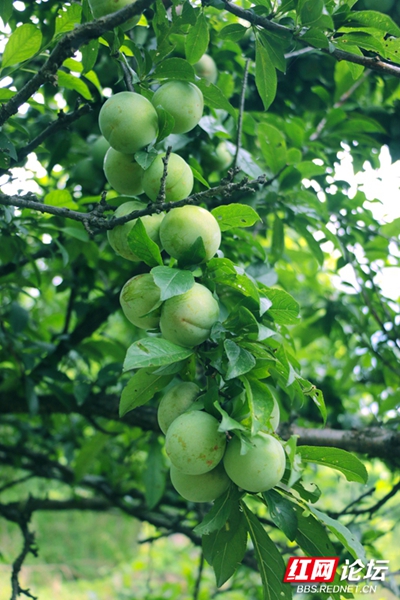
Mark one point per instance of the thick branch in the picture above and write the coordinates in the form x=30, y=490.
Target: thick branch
x=97, y=221
x=376, y=442
x=375, y=64
x=65, y=48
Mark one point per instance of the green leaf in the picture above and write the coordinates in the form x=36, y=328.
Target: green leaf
x=273, y=146
x=227, y=423
x=88, y=454
x=172, y=282
x=199, y=177
x=282, y=513
x=269, y=559
x=89, y=54
x=197, y=40
x=315, y=37
x=278, y=239
x=240, y=361
x=24, y=43
x=154, y=475
x=214, y=97
x=275, y=50
x=143, y=246
x=311, y=11
x=261, y=403
x=311, y=241
x=266, y=79
x=235, y=215
x=77, y=233
x=195, y=255
x=312, y=495
x=174, y=68
x=154, y=352
x=166, y=123
x=344, y=535
x=335, y=458
x=233, y=32
x=372, y=18
x=145, y=159
x=216, y=518
x=224, y=549
x=71, y=82
x=67, y=18
x=312, y=536
x=6, y=9
x=140, y=389
x=61, y=198
x=284, y=309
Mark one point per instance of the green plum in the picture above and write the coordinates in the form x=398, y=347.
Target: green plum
x=217, y=159
x=187, y=319
x=261, y=468
x=194, y=444
x=123, y=173
x=101, y=8
x=179, y=182
x=183, y=100
x=175, y=402
x=200, y=488
x=118, y=237
x=128, y=121
x=140, y=296
x=181, y=228
x=206, y=68
x=98, y=150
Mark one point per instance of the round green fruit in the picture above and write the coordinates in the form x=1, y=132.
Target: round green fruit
x=118, y=237
x=217, y=159
x=184, y=225
x=123, y=173
x=179, y=182
x=261, y=468
x=194, y=444
x=184, y=101
x=206, y=68
x=187, y=319
x=98, y=150
x=200, y=488
x=128, y=121
x=140, y=296
x=101, y=8
x=175, y=402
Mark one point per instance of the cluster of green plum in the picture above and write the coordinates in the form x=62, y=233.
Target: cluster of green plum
x=129, y=122
x=203, y=464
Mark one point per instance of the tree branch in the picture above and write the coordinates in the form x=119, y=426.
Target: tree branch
x=98, y=222
x=374, y=63
x=65, y=48
x=241, y=111
x=374, y=441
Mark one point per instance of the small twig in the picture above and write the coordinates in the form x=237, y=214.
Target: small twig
x=241, y=111
x=63, y=120
x=29, y=547
x=163, y=181
x=346, y=510
x=197, y=584
x=128, y=72
x=10, y=484
x=378, y=505
x=340, y=103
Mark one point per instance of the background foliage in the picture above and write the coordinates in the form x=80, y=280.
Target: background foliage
x=322, y=85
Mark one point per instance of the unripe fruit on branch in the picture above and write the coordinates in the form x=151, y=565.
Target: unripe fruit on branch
x=128, y=121
x=98, y=150
x=139, y=296
x=175, y=402
x=101, y=8
x=181, y=228
x=118, y=237
x=200, y=488
x=183, y=100
x=194, y=444
x=217, y=159
x=206, y=68
x=179, y=182
x=187, y=319
x=261, y=468
x=123, y=173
